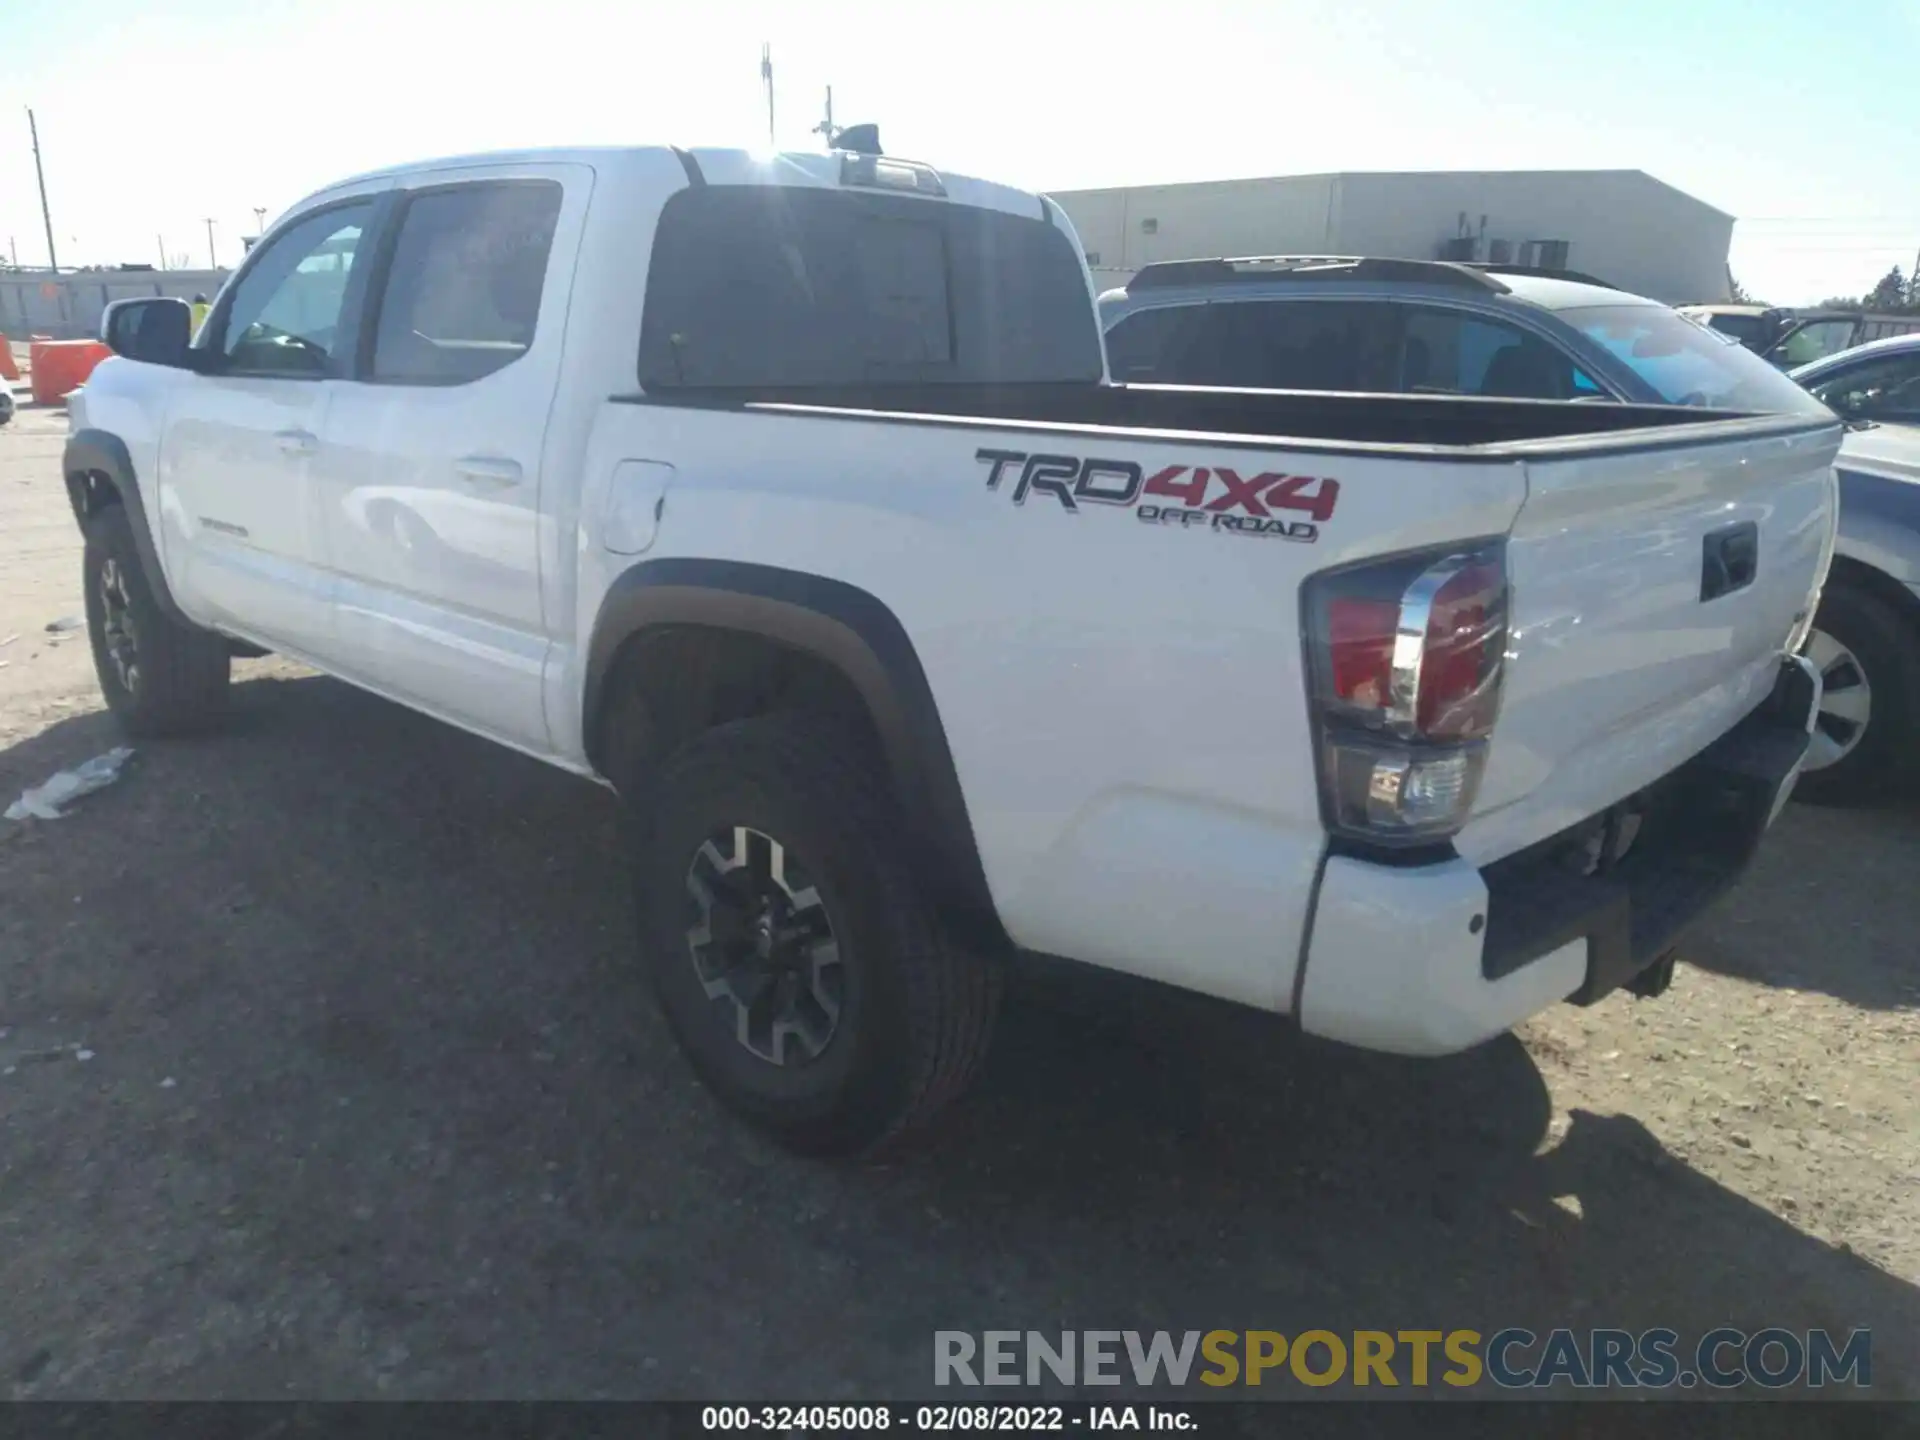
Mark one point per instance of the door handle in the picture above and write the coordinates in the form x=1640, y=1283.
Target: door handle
x=488, y=470
x=294, y=442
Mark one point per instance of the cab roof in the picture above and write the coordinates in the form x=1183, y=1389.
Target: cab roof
x=1367, y=275
x=723, y=166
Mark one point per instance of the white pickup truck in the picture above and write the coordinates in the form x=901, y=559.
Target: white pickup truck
x=788, y=497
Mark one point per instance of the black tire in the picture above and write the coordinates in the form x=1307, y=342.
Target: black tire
x=915, y=1010
x=1887, y=649
x=177, y=682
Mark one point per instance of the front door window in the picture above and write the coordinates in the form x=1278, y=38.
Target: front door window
x=284, y=319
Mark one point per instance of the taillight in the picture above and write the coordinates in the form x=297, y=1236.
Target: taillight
x=1407, y=657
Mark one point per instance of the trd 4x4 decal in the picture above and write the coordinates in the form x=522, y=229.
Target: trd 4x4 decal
x=1213, y=497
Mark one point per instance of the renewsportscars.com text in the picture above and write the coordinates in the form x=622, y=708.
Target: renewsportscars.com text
x=1512, y=1358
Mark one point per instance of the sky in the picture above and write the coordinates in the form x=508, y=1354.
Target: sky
x=1800, y=117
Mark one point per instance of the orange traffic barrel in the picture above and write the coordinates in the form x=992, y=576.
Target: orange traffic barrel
x=8, y=369
x=59, y=367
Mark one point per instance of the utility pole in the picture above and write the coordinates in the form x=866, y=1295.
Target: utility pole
x=259, y=219
x=213, y=261
x=825, y=127
x=766, y=79
x=161, y=241
x=13, y=249
x=46, y=215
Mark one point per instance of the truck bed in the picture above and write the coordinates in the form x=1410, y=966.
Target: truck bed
x=1299, y=419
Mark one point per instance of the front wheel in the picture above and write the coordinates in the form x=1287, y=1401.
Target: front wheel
x=1868, y=657
x=158, y=676
x=793, y=954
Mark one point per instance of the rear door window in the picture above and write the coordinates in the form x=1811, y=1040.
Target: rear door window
x=1452, y=352
x=1140, y=347
x=1749, y=330
x=785, y=286
x=1883, y=389
x=462, y=296
x=1813, y=341
x=1263, y=345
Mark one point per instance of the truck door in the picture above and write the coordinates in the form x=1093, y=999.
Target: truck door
x=243, y=534
x=429, y=476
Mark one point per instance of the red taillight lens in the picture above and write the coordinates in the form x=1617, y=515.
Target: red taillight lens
x=1407, y=657
x=1466, y=639
x=1360, y=649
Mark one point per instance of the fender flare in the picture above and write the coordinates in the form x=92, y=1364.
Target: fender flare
x=99, y=452
x=855, y=633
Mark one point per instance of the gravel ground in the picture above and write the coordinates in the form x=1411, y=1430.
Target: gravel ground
x=325, y=1073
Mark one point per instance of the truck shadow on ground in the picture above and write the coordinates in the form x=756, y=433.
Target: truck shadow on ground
x=425, y=1136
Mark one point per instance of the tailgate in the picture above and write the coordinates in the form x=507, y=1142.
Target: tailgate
x=1653, y=590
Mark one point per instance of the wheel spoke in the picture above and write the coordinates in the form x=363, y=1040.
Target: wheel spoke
x=1823, y=750
x=824, y=977
x=1852, y=703
x=1823, y=650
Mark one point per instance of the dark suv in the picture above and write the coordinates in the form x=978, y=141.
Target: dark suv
x=1379, y=325
x=1334, y=323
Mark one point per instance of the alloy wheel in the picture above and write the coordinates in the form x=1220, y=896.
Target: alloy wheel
x=763, y=946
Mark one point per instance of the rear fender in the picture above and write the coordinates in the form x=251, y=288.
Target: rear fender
x=858, y=636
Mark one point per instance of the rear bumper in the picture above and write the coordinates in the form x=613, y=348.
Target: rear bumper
x=1430, y=959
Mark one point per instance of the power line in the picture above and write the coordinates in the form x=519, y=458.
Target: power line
x=1892, y=247
x=1896, y=218
x=1813, y=233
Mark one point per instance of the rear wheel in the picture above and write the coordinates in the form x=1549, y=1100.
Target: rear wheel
x=158, y=676
x=1869, y=663
x=808, y=981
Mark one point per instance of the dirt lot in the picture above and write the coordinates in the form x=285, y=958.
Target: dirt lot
x=325, y=1073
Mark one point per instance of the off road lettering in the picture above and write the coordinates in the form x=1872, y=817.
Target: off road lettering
x=1210, y=497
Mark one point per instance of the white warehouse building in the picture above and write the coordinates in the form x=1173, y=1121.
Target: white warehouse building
x=1621, y=226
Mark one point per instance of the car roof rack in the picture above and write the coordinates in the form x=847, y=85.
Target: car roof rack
x=1545, y=272
x=1167, y=273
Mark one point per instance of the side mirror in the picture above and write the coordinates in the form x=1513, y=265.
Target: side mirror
x=155, y=331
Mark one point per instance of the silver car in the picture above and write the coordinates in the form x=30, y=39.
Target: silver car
x=1867, y=643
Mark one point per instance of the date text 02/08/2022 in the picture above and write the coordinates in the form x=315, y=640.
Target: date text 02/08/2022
x=940, y=1419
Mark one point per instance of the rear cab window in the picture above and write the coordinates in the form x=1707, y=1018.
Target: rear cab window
x=781, y=287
